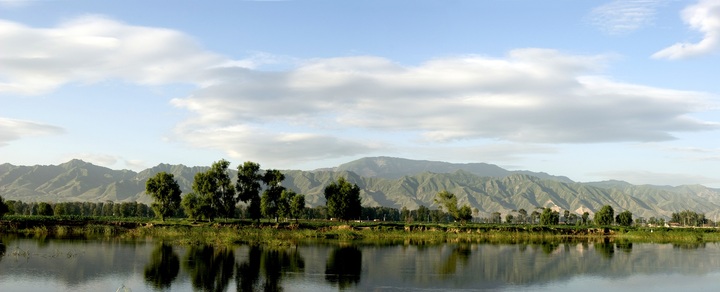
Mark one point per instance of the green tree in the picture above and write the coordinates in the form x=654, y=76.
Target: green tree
x=3, y=207
x=192, y=204
x=522, y=216
x=423, y=213
x=509, y=218
x=549, y=217
x=297, y=206
x=448, y=201
x=270, y=201
x=165, y=191
x=605, y=216
x=464, y=213
x=216, y=194
x=585, y=218
x=624, y=218
x=343, y=200
x=248, y=187
x=44, y=209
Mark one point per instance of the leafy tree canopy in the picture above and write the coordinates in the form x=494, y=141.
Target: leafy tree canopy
x=343, y=200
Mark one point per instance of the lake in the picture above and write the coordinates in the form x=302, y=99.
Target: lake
x=31, y=264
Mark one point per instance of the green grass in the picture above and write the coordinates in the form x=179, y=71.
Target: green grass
x=236, y=231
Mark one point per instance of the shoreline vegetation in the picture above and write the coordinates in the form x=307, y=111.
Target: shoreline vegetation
x=269, y=233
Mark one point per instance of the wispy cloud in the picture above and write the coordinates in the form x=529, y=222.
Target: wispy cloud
x=529, y=96
x=12, y=129
x=625, y=16
x=703, y=17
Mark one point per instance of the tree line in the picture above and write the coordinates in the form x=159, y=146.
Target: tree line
x=263, y=196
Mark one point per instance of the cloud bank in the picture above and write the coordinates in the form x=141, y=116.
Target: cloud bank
x=703, y=17
x=348, y=106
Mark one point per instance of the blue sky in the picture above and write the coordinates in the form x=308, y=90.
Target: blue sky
x=592, y=90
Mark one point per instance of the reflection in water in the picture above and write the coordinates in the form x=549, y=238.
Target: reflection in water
x=247, y=274
x=210, y=269
x=2, y=249
x=163, y=267
x=344, y=266
x=624, y=245
x=605, y=248
x=461, y=253
x=272, y=264
x=549, y=246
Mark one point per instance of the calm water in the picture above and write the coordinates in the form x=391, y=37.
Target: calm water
x=106, y=265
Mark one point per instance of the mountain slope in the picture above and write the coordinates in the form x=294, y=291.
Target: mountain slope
x=381, y=185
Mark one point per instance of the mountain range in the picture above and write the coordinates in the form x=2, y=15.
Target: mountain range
x=384, y=181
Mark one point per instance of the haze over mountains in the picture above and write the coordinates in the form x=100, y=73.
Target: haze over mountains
x=384, y=181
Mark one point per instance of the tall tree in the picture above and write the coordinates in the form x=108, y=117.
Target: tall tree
x=3, y=207
x=448, y=201
x=216, y=194
x=343, y=200
x=165, y=191
x=270, y=201
x=605, y=216
x=248, y=187
x=549, y=217
x=624, y=218
x=297, y=206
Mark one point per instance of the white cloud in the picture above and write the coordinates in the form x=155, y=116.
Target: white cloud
x=94, y=48
x=658, y=178
x=531, y=95
x=624, y=16
x=705, y=18
x=12, y=129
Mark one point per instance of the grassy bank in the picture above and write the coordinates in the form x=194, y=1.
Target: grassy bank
x=228, y=232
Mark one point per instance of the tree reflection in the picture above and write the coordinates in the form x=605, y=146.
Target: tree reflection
x=210, y=269
x=549, y=246
x=2, y=249
x=461, y=254
x=624, y=245
x=605, y=248
x=163, y=267
x=273, y=263
x=343, y=266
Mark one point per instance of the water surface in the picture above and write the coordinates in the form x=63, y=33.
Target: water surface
x=29, y=264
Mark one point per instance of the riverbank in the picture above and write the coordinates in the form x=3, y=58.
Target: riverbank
x=229, y=232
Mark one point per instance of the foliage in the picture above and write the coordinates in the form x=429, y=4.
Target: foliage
x=164, y=189
x=248, y=187
x=549, y=217
x=448, y=201
x=214, y=191
x=605, y=216
x=688, y=218
x=624, y=218
x=270, y=203
x=297, y=206
x=191, y=204
x=343, y=200
x=3, y=207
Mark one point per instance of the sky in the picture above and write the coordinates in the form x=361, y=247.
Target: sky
x=592, y=90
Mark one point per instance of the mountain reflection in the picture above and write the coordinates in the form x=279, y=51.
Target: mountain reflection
x=344, y=266
x=210, y=269
x=163, y=267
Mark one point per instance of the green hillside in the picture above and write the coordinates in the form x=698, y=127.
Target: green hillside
x=384, y=181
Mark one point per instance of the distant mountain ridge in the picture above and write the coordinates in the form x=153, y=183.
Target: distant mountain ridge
x=384, y=181
x=393, y=168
